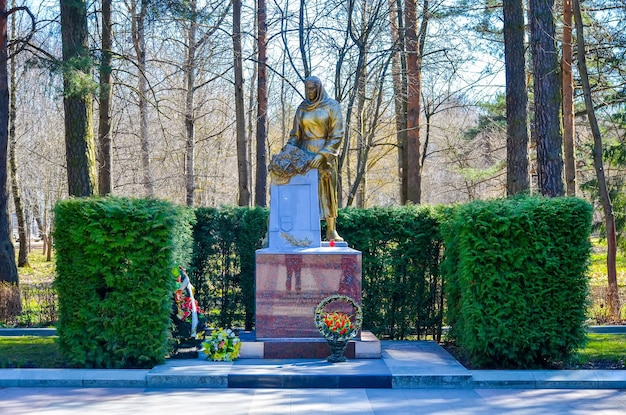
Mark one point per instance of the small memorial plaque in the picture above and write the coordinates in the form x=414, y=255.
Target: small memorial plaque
x=294, y=214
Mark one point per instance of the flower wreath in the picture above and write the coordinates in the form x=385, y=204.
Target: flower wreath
x=337, y=325
x=187, y=308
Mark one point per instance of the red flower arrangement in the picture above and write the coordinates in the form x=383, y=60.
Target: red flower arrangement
x=338, y=323
x=186, y=314
x=185, y=306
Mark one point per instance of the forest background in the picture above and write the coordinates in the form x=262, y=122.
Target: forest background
x=185, y=100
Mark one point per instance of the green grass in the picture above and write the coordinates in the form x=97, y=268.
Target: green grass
x=597, y=268
x=603, y=350
x=29, y=352
x=39, y=270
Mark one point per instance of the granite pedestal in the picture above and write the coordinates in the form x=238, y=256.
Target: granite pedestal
x=290, y=286
x=296, y=272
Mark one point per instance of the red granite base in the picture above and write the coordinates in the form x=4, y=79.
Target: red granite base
x=289, y=286
x=312, y=349
x=367, y=347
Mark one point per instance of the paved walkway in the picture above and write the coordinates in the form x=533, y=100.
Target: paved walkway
x=114, y=401
x=411, y=378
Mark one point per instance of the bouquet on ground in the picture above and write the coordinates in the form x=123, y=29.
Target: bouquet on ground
x=222, y=346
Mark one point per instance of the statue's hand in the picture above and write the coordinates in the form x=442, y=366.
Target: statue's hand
x=317, y=160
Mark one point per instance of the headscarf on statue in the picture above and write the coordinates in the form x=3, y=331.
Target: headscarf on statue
x=292, y=160
x=321, y=97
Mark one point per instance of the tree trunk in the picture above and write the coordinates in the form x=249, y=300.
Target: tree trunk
x=303, y=40
x=568, y=100
x=609, y=218
x=41, y=226
x=77, y=102
x=517, y=180
x=368, y=124
x=414, y=49
x=190, y=129
x=399, y=90
x=139, y=43
x=547, y=89
x=362, y=149
x=8, y=270
x=359, y=189
x=242, y=147
x=359, y=41
x=104, y=110
x=260, y=192
x=251, y=121
x=22, y=257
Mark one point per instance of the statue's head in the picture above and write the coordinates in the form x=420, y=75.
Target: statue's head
x=313, y=89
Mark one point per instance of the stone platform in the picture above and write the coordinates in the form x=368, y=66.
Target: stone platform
x=365, y=347
x=404, y=365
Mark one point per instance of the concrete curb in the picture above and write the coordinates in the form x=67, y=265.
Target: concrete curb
x=163, y=377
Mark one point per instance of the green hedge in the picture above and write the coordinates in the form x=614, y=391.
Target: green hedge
x=222, y=270
x=402, y=286
x=114, y=282
x=516, y=282
x=515, y=269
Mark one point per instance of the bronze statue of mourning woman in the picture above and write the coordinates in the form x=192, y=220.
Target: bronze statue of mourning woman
x=314, y=143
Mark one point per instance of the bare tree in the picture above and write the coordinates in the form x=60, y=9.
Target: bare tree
x=104, y=109
x=260, y=192
x=400, y=89
x=22, y=258
x=190, y=77
x=369, y=121
x=8, y=270
x=609, y=217
x=359, y=37
x=414, y=49
x=303, y=40
x=139, y=12
x=77, y=99
x=242, y=142
x=568, y=100
x=194, y=42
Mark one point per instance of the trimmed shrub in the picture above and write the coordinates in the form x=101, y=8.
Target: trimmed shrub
x=114, y=282
x=516, y=281
x=402, y=287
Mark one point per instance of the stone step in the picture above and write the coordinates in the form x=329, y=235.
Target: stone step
x=367, y=346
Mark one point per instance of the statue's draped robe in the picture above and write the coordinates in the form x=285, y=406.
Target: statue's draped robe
x=318, y=129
